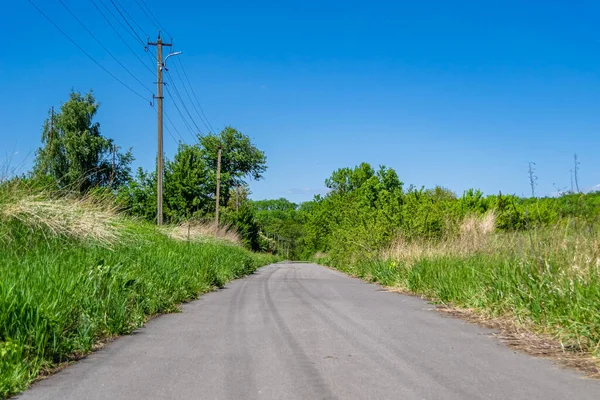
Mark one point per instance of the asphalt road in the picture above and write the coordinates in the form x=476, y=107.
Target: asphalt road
x=299, y=331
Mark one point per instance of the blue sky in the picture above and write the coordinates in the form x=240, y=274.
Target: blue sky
x=460, y=94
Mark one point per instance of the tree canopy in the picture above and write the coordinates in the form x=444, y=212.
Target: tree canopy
x=74, y=154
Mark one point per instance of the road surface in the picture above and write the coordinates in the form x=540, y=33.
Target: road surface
x=301, y=331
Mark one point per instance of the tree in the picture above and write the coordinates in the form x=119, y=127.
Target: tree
x=138, y=196
x=188, y=189
x=74, y=154
x=240, y=159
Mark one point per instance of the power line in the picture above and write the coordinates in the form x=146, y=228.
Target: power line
x=153, y=21
x=85, y=52
x=127, y=22
x=211, y=129
x=121, y=37
x=169, y=131
x=131, y=31
x=104, y=47
x=181, y=100
x=185, y=122
x=174, y=126
x=191, y=100
x=151, y=17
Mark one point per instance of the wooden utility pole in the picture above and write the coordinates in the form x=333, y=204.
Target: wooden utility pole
x=51, y=127
x=159, y=99
x=218, y=186
x=114, y=164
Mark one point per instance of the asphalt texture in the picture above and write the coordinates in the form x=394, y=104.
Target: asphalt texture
x=301, y=331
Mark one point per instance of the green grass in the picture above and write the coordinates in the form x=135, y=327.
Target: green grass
x=59, y=294
x=547, y=281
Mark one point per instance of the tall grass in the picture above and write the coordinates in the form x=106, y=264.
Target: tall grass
x=74, y=272
x=546, y=279
x=201, y=231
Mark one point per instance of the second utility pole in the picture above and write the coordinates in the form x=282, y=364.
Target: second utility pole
x=218, y=186
x=159, y=164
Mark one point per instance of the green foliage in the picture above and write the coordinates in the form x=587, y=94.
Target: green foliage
x=190, y=183
x=244, y=219
x=138, y=196
x=240, y=159
x=74, y=154
x=282, y=225
x=189, y=187
x=366, y=210
x=361, y=214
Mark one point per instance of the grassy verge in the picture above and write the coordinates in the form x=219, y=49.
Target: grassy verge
x=545, y=282
x=74, y=273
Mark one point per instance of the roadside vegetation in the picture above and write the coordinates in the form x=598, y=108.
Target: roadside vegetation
x=531, y=263
x=81, y=260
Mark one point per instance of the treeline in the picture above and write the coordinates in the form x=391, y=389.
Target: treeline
x=75, y=157
x=366, y=210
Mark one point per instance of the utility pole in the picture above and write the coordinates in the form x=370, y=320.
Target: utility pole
x=114, y=164
x=218, y=185
x=49, y=146
x=159, y=164
x=237, y=197
x=571, y=171
x=576, y=170
x=51, y=126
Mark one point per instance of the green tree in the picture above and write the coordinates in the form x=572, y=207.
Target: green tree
x=189, y=191
x=240, y=159
x=74, y=154
x=138, y=196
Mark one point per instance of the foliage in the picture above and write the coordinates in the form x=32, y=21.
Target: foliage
x=74, y=154
x=367, y=210
x=282, y=225
x=188, y=187
x=245, y=223
x=240, y=159
x=190, y=183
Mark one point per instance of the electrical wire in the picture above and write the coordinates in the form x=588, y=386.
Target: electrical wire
x=191, y=100
x=104, y=47
x=130, y=31
x=121, y=37
x=127, y=21
x=173, y=125
x=181, y=100
x=167, y=129
x=85, y=52
x=151, y=17
x=210, y=128
x=185, y=122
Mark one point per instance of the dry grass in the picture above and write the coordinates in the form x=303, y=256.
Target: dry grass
x=575, y=247
x=476, y=234
x=82, y=218
x=200, y=231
